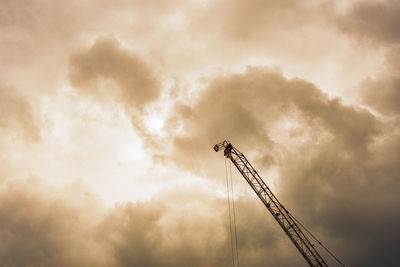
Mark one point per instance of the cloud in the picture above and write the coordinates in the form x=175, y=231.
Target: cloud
x=40, y=228
x=135, y=84
x=161, y=234
x=369, y=202
x=16, y=114
x=348, y=197
x=382, y=93
x=372, y=20
x=337, y=163
x=246, y=108
x=109, y=73
x=377, y=22
x=249, y=20
x=48, y=227
x=325, y=152
x=337, y=168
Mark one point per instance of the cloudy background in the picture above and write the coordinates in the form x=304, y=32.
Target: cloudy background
x=109, y=111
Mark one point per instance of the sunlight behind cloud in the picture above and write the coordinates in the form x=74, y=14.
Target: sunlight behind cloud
x=109, y=112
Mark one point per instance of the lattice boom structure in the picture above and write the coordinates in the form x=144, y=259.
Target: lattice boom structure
x=278, y=211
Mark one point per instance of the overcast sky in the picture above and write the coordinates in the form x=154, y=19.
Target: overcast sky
x=109, y=111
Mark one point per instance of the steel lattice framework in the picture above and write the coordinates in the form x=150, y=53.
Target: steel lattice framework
x=278, y=211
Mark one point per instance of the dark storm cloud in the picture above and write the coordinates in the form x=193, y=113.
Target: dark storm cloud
x=39, y=228
x=330, y=176
x=110, y=73
x=378, y=22
x=341, y=176
x=135, y=84
x=353, y=199
x=383, y=92
x=16, y=114
x=184, y=233
x=342, y=181
x=374, y=20
x=367, y=205
x=164, y=234
x=334, y=186
x=244, y=107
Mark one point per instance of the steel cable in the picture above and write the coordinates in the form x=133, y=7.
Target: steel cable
x=234, y=216
x=230, y=217
x=319, y=242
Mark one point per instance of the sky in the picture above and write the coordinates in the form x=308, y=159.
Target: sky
x=109, y=111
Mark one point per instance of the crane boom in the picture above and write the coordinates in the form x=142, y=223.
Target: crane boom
x=278, y=211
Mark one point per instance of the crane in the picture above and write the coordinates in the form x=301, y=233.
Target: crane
x=278, y=211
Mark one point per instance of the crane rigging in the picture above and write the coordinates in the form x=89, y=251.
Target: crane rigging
x=279, y=212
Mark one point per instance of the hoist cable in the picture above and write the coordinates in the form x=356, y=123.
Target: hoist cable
x=319, y=242
x=234, y=216
x=230, y=216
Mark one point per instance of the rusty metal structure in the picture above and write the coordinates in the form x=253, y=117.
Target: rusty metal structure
x=278, y=211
